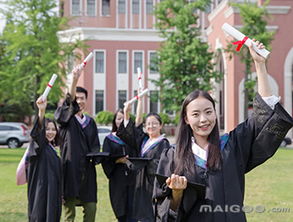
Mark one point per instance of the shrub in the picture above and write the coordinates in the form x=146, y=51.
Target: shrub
x=104, y=117
x=165, y=118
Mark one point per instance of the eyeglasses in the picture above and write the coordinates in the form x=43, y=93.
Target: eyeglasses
x=152, y=124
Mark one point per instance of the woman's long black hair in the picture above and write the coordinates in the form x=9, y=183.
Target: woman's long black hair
x=114, y=126
x=56, y=140
x=184, y=158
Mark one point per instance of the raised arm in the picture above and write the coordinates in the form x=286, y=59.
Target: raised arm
x=75, y=76
x=126, y=111
x=38, y=132
x=264, y=88
x=41, y=104
x=138, y=118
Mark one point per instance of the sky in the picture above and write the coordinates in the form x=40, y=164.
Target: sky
x=2, y=21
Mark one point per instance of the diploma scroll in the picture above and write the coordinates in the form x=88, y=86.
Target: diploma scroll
x=87, y=59
x=243, y=39
x=49, y=86
x=136, y=97
x=139, y=76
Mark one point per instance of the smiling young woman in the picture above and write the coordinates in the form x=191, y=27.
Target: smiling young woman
x=206, y=171
x=148, y=144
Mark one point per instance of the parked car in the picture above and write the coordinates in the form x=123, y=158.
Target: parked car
x=13, y=134
x=286, y=141
x=103, y=132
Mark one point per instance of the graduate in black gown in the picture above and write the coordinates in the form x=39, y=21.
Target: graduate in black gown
x=121, y=179
x=218, y=164
x=78, y=136
x=148, y=145
x=44, y=170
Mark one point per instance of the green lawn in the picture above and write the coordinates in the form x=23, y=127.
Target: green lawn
x=270, y=185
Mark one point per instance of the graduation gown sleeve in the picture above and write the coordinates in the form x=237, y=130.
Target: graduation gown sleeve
x=38, y=135
x=109, y=163
x=132, y=135
x=258, y=138
x=68, y=109
x=162, y=194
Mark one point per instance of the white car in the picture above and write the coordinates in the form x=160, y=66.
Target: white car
x=13, y=134
x=103, y=132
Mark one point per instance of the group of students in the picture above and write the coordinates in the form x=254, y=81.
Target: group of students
x=150, y=180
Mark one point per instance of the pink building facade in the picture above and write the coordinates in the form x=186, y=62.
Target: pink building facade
x=122, y=36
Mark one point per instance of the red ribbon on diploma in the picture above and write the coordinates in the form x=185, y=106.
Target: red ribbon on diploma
x=136, y=97
x=240, y=43
x=49, y=85
x=84, y=63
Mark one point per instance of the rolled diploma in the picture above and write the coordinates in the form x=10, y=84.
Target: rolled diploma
x=138, y=96
x=139, y=78
x=88, y=58
x=49, y=86
x=239, y=36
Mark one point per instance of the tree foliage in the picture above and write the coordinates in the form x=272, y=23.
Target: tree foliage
x=104, y=117
x=254, y=20
x=184, y=59
x=31, y=53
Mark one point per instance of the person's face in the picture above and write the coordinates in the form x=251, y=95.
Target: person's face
x=51, y=132
x=201, y=116
x=119, y=119
x=153, y=127
x=81, y=100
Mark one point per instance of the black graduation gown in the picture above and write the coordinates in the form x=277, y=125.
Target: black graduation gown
x=44, y=178
x=144, y=185
x=121, y=179
x=79, y=172
x=250, y=144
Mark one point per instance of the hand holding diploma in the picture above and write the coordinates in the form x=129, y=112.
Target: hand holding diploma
x=242, y=39
x=255, y=56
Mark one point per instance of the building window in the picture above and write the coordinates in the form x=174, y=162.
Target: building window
x=105, y=7
x=152, y=61
x=70, y=62
x=91, y=7
x=100, y=62
x=122, y=62
x=154, y=101
x=121, y=98
x=99, y=100
x=149, y=6
x=75, y=7
x=121, y=6
x=134, y=104
x=138, y=61
x=135, y=6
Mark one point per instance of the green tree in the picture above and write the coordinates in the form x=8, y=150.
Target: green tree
x=31, y=53
x=184, y=59
x=254, y=22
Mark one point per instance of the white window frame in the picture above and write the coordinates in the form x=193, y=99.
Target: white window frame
x=95, y=9
x=80, y=8
x=118, y=7
x=149, y=100
x=104, y=100
x=105, y=58
x=149, y=62
x=117, y=97
x=127, y=62
x=146, y=13
x=101, y=9
x=142, y=68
